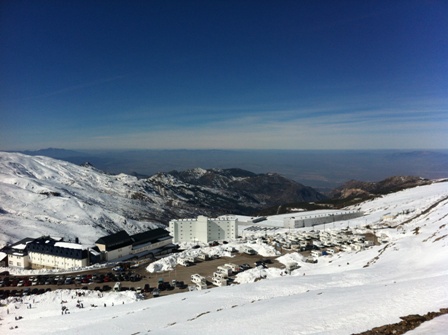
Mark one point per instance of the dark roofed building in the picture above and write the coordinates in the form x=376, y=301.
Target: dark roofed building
x=153, y=235
x=18, y=254
x=148, y=241
x=114, y=241
x=115, y=246
x=122, y=246
x=21, y=246
x=48, y=246
x=46, y=252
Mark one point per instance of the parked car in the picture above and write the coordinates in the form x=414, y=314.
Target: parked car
x=180, y=284
x=135, y=277
x=245, y=266
x=260, y=263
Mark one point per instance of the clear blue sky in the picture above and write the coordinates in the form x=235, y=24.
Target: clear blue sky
x=223, y=74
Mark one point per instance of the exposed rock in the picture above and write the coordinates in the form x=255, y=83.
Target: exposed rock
x=364, y=190
x=409, y=322
x=219, y=191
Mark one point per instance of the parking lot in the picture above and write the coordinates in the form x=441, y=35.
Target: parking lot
x=130, y=279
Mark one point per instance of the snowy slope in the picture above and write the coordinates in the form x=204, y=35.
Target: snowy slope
x=43, y=196
x=342, y=294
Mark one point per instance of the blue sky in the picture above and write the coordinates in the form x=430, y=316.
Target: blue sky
x=223, y=74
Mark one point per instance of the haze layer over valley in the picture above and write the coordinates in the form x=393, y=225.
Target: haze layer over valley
x=323, y=170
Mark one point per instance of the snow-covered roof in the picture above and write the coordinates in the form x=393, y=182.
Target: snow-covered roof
x=70, y=245
x=20, y=246
x=46, y=245
x=2, y=255
x=94, y=252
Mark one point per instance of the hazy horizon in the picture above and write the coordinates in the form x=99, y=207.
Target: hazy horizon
x=321, y=169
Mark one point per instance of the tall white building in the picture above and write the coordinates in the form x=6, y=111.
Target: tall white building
x=204, y=229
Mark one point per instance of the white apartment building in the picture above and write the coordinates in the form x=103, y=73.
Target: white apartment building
x=204, y=229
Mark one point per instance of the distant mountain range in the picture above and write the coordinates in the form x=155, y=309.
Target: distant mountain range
x=323, y=170
x=54, y=153
x=53, y=194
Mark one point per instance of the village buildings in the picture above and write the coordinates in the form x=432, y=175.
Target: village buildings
x=55, y=253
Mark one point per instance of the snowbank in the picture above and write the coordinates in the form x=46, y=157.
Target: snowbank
x=168, y=263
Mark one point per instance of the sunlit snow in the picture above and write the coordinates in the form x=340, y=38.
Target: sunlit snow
x=341, y=294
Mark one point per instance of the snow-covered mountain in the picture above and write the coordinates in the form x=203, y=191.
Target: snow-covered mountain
x=41, y=195
x=44, y=196
x=236, y=191
x=349, y=292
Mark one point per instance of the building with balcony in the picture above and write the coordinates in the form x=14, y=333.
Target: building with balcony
x=204, y=229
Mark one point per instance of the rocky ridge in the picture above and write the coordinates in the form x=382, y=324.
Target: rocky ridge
x=408, y=323
x=365, y=190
